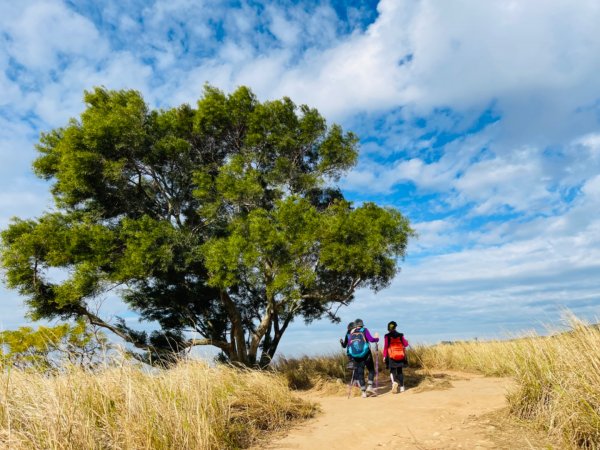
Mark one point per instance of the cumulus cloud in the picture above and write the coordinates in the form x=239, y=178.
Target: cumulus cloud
x=462, y=55
x=45, y=34
x=479, y=119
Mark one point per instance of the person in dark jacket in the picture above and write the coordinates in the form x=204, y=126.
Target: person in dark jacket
x=394, y=356
x=344, y=342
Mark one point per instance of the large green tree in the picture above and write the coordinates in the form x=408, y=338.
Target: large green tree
x=221, y=223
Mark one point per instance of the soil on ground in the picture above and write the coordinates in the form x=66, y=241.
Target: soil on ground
x=446, y=410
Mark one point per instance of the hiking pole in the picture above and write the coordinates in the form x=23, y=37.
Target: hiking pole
x=351, y=383
x=377, y=366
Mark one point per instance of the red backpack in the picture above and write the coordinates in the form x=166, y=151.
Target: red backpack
x=395, y=348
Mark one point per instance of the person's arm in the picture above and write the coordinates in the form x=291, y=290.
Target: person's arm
x=344, y=342
x=369, y=337
x=405, y=342
x=385, y=347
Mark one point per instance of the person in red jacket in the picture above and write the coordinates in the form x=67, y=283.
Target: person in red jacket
x=394, y=355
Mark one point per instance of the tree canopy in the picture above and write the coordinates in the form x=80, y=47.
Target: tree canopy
x=221, y=222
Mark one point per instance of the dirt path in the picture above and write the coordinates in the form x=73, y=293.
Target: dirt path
x=457, y=411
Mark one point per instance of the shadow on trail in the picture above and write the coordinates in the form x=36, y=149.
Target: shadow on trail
x=412, y=379
x=331, y=373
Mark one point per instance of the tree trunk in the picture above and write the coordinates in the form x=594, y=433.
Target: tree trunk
x=271, y=343
x=258, y=336
x=238, y=351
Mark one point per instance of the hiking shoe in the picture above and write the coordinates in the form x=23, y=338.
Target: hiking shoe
x=364, y=394
x=370, y=390
x=401, y=388
x=394, y=387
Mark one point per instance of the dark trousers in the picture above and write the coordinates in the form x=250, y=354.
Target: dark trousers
x=370, y=367
x=358, y=374
x=359, y=370
x=397, y=375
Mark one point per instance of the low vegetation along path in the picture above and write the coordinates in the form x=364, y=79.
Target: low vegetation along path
x=450, y=411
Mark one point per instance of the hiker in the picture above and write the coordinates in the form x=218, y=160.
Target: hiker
x=394, y=355
x=344, y=344
x=360, y=352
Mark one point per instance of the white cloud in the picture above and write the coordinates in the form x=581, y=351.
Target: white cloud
x=41, y=33
x=288, y=32
x=508, y=287
x=61, y=100
x=537, y=64
x=435, y=236
x=515, y=180
x=24, y=203
x=534, y=66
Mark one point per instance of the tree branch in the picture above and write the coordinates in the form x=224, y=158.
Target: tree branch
x=225, y=346
x=95, y=320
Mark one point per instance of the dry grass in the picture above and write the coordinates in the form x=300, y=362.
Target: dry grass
x=557, y=378
x=328, y=374
x=195, y=406
x=492, y=358
x=324, y=373
x=189, y=406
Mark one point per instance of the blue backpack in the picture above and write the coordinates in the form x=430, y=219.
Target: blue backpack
x=358, y=347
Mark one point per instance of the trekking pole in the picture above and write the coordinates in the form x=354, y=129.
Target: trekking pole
x=376, y=365
x=423, y=366
x=351, y=384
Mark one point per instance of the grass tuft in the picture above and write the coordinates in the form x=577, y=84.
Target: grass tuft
x=318, y=372
x=189, y=406
x=557, y=377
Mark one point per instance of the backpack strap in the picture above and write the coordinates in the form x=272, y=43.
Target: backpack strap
x=389, y=341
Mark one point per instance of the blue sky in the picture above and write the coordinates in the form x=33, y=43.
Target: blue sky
x=479, y=120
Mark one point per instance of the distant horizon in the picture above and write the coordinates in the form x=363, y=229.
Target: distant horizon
x=479, y=121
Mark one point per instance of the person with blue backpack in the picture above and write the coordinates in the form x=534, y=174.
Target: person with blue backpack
x=358, y=349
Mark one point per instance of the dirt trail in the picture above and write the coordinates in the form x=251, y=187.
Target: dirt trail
x=458, y=411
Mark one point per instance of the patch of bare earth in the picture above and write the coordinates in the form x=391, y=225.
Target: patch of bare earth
x=447, y=410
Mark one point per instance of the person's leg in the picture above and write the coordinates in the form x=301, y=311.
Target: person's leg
x=401, y=379
x=394, y=375
x=359, y=373
x=371, y=369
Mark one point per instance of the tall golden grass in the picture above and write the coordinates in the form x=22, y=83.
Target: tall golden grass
x=557, y=377
x=314, y=372
x=191, y=406
x=197, y=406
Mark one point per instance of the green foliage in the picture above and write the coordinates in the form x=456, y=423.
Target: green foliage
x=219, y=220
x=49, y=348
